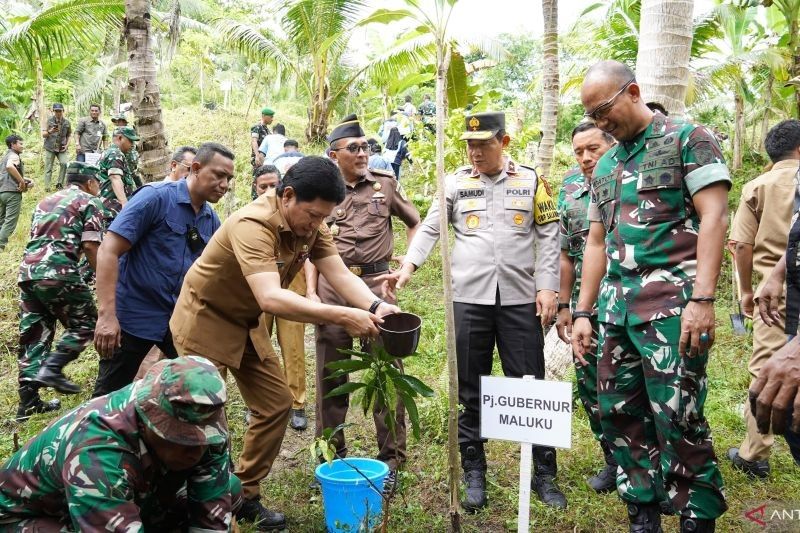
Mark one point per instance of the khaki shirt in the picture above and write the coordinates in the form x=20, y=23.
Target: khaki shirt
x=54, y=141
x=362, y=224
x=216, y=311
x=504, y=241
x=764, y=214
x=90, y=133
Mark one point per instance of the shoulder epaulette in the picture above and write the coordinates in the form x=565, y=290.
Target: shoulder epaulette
x=382, y=172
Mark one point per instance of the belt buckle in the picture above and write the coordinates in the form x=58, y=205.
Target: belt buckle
x=355, y=270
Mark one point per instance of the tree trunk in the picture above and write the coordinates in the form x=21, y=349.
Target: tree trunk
x=549, y=122
x=119, y=82
x=39, y=96
x=144, y=93
x=738, y=131
x=767, y=106
x=665, y=44
x=794, y=49
x=443, y=63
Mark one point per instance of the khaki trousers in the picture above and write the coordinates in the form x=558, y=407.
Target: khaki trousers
x=333, y=411
x=291, y=339
x=766, y=341
x=264, y=391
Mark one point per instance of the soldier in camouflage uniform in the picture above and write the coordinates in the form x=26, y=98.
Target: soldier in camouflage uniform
x=152, y=456
x=65, y=225
x=120, y=121
x=589, y=143
x=116, y=179
x=658, y=212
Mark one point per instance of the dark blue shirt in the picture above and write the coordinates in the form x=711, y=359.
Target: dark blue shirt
x=156, y=221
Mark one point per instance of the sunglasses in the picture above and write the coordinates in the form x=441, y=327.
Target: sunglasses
x=600, y=112
x=354, y=148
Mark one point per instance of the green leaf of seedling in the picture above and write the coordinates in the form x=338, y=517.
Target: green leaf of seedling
x=413, y=413
x=418, y=386
x=348, y=365
x=345, y=388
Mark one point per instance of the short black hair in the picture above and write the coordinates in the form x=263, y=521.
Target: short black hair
x=782, y=140
x=95, y=105
x=291, y=142
x=12, y=139
x=408, y=98
x=207, y=150
x=280, y=129
x=314, y=177
x=181, y=151
x=586, y=126
x=266, y=169
x=655, y=106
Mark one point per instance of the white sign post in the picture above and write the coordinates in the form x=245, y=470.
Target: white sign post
x=527, y=411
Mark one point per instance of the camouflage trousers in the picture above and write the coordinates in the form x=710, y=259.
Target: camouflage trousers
x=651, y=411
x=586, y=378
x=42, y=303
x=167, y=514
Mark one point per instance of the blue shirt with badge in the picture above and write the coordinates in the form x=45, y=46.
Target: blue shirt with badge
x=163, y=229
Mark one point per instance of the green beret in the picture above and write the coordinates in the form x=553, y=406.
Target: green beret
x=349, y=127
x=128, y=132
x=483, y=126
x=268, y=112
x=80, y=172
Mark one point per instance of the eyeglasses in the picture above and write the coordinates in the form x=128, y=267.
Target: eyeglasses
x=354, y=148
x=600, y=112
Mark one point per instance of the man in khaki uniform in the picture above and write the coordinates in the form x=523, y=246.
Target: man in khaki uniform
x=761, y=231
x=361, y=226
x=243, y=273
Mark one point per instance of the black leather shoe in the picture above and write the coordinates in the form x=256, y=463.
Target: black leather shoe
x=644, y=518
x=298, y=420
x=754, y=469
x=30, y=403
x=548, y=492
x=474, y=490
x=50, y=377
x=604, y=481
x=262, y=518
x=697, y=525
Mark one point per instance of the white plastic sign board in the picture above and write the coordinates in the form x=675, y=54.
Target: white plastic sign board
x=531, y=411
x=92, y=159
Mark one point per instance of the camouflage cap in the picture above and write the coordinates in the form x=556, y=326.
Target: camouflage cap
x=182, y=400
x=128, y=132
x=76, y=169
x=483, y=126
x=117, y=118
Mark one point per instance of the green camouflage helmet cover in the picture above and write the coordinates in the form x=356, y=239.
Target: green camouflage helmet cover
x=182, y=400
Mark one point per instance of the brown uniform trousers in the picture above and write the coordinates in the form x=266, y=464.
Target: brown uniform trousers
x=291, y=339
x=332, y=411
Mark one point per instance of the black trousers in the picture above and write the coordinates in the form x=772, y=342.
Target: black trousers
x=120, y=370
x=517, y=332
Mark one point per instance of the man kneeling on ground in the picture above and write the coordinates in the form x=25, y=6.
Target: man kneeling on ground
x=152, y=456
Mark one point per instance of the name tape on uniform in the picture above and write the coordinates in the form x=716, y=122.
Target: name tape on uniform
x=538, y=412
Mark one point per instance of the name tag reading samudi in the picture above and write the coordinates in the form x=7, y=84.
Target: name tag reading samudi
x=534, y=411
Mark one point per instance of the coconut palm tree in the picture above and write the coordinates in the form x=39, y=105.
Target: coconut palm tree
x=550, y=90
x=143, y=89
x=48, y=36
x=665, y=45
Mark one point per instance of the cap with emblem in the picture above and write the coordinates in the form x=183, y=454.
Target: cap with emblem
x=483, y=126
x=349, y=127
x=128, y=132
x=182, y=400
x=268, y=112
x=117, y=118
x=82, y=172
x=58, y=107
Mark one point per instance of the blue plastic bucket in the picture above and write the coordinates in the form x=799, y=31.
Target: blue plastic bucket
x=351, y=503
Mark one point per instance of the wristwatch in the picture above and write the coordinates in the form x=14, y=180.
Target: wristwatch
x=374, y=307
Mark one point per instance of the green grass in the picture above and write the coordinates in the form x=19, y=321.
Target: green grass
x=422, y=504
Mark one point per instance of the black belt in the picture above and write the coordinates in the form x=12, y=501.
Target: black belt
x=372, y=268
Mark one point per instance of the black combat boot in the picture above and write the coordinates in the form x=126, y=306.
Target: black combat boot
x=298, y=420
x=543, y=481
x=605, y=480
x=51, y=374
x=697, y=525
x=30, y=403
x=263, y=519
x=644, y=518
x=473, y=461
x=753, y=469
